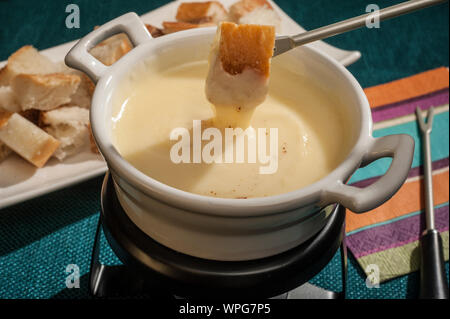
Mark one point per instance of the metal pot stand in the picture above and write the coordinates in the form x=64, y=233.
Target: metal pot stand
x=152, y=270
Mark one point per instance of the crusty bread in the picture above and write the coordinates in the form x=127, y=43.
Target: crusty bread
x=246, y=46
x=26, y=139
x=154, y=31
x=26, y=60
x=65, y=115
x=8, y=100
x=44, y=92
x=243, y=7
x=83, y=95
x=4, y=117
x=201, y=12
x=68, y=124
x=254, y=12
x=238, y=75
x=4, y=77
x=112, y=49
x=171, y=27
x=4, y=151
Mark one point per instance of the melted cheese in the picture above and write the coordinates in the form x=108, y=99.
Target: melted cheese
x=313, y=133
x=234, y=97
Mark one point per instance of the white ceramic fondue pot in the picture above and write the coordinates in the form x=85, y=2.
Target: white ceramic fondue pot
x=235, y=229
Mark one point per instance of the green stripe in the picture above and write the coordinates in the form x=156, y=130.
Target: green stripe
x=393, y=220
x=398, y=261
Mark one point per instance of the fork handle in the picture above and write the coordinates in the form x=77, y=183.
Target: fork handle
x=360, y=21
x=433, y=281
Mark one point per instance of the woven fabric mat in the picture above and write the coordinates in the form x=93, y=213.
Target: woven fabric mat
x=40, y=237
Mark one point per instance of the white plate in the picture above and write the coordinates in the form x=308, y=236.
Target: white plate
x=20, y=181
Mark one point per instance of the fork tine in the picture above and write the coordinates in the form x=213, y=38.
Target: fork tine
x=430, y=117
x=420, y=119
x=282, y=44
x=425, y=126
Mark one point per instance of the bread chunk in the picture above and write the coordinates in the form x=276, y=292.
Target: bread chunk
x=171, y=27
x=201, y=12
x=26, y=60
x=239, y=67
x=246, y=46
x=112, y=49
x=254, y=12
x=44, y=92
x=8, y=100
x=82, y=97
x=68, y=124
x=4, y=151
x=26, y=139
x=154, y=31
x=4, y=117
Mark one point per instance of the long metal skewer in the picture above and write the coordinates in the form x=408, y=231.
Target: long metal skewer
x=286, y=43
x=425, y=128
x=433, y=282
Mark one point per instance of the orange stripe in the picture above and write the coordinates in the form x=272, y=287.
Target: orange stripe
x=407, y=88
x=407, y=200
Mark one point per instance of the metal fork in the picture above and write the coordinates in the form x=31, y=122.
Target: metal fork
x=286, y=43
x=433, y=282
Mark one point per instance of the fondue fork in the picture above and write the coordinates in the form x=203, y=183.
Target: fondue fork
x=286, y=43
x=433, y=282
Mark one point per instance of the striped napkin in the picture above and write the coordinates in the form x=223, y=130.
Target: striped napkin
x=388, y=235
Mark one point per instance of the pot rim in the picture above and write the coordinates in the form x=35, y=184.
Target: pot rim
x=250, y=207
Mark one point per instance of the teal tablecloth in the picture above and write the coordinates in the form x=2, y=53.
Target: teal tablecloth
x=40, y=237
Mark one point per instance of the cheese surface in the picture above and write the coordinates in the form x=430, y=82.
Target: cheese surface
x=313, y=137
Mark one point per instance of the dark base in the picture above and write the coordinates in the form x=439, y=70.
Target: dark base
x=151, y=269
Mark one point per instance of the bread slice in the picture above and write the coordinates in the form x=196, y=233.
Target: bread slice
x=68, y=124
x=254, y=12
x=201, y=12
x=239, y=67
x=26, y=139
x=4, y=151
x=4, y=117
x=4, y=77
x=83, y=95
x=154, y=31
x=246, y=46
x=8, y=100
x=44, y=92
x=171, y=27
x=112, y=49
x=26, y=60
x=65, y=115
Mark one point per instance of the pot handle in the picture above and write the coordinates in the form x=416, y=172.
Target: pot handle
x=79, y=57
x=401, y=148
